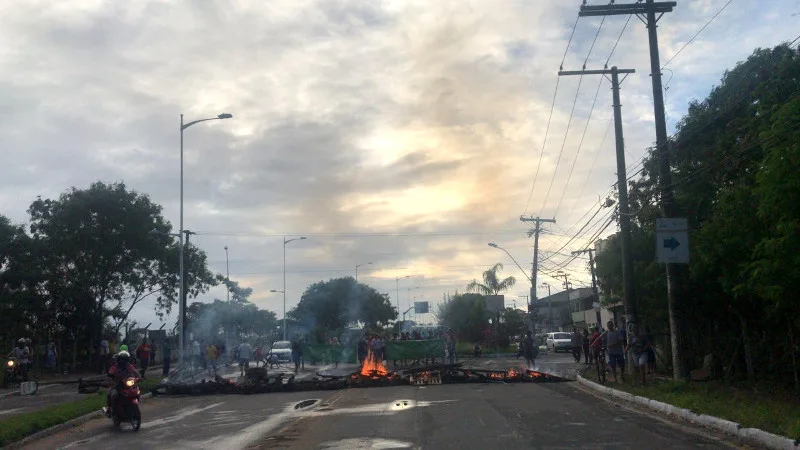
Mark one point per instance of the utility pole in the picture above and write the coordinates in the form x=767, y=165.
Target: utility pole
x=534, y=298
x=648, y=9
x=549, y=306
x=590, y=251
x=628, y=293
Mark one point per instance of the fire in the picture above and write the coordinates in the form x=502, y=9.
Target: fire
x=372, y=366
x=512, y=373
x=535, y=374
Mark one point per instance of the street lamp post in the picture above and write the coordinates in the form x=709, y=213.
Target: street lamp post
x=408, y=295
x=182, y=300
x=397, y=289
x=286, y=241
x=359, y=265
x=227, y=274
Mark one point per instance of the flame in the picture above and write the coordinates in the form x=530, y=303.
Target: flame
x=512, y=373
x=372, y=366
x=535, y=374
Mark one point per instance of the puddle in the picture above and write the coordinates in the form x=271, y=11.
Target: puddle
x=364, y=443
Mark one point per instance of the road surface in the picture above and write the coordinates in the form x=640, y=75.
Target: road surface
x=463, y=416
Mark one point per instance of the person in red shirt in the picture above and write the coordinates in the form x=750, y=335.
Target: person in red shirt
x=595, y=343
x=143, y=353
x=119, y=371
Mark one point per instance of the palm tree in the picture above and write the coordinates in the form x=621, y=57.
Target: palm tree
x=491, y=283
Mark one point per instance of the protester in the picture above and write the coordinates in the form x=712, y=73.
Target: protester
x=143, y=353
x=166, y=353
x=245, y=352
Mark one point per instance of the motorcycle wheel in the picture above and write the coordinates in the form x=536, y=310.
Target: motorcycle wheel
x=116, y=420
x=136, y=418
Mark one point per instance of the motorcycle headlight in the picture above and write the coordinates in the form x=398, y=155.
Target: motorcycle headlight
x=130, y=382
x=10, y=363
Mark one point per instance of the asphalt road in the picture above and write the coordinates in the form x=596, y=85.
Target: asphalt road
x=464, y=416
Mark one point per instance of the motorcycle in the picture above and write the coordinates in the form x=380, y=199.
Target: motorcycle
x=126, y=405
x=13, y=374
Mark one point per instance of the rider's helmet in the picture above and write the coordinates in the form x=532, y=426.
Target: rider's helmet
x=123, y=357
x=21, y=342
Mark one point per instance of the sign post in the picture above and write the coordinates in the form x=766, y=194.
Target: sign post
x=672, y=241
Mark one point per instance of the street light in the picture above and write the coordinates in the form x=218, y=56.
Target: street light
x=397, y=289
x=227, y=274
x=359, y=265
x=182, y=302
x=286, y=241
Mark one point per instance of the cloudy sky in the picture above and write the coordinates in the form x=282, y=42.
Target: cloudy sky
x=406, y=134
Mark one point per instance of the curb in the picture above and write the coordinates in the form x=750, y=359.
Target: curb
x=63, y=426
x=753, y=436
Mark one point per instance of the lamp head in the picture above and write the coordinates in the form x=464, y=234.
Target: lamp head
x=225, y=116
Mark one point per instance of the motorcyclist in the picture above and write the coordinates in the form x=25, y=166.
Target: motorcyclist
x=22, y=353
x=119, y=371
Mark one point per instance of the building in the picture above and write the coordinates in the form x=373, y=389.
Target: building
x=574, y=308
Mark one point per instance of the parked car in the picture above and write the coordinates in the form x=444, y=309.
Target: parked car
x=559, y=341
x=281, y=349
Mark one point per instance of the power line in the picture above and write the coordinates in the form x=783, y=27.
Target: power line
x=697, y=34
x=550, y=118
x=362, y=234
x=580, y=146
x=571, y=115
x=625, y=27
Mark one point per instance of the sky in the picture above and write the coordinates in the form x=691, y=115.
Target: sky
x=406, y=134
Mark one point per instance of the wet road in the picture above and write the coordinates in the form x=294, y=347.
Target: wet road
x=465, y=416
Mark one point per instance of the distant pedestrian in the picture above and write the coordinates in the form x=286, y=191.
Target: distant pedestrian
x=166, y=354
x=531, y=350
x=143, y=353
x=104, y=352
x=615, y=349
x=639, y=345
x=245, y=353
x=586, y=356
x=212, y=354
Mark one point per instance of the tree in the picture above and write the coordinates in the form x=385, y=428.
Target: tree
x=329, y=306
x=237, y=319
x=465, y=314
x=492, y=285
x=735, y=174
x=101, y=256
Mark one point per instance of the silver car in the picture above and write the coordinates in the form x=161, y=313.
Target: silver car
x=559, y=341
x=281, y=349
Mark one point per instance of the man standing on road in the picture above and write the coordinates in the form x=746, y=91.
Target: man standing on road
x=577, y=343
x=245, y=352
x=531, y=350
x=166, y=354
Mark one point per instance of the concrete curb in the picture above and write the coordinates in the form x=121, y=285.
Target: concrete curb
x=752, y=436
x=63, y=426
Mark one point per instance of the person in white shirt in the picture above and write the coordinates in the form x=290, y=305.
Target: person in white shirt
x=245, y=352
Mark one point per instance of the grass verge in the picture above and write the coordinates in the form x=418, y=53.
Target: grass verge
x=763, y=408
x=18, y=427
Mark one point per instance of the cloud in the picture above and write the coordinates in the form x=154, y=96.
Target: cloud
x=402, y=133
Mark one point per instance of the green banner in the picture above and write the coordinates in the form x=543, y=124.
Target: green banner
x=327, y=354
x=414, y=349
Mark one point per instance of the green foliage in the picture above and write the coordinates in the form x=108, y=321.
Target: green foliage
x=91, y=256
x=735, y=164
x=238, y=318
x=465, y=314
x=329, y=306
x=492, y=284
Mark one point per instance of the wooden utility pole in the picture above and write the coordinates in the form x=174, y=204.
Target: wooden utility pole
x=647, y=11
x=628, y=294
x=537, y=228
x=590, y=251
